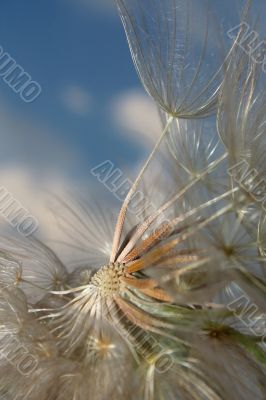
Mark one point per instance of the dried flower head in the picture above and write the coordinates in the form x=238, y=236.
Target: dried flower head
x=169, y=302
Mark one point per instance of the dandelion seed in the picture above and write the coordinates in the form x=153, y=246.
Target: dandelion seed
x=171, y=45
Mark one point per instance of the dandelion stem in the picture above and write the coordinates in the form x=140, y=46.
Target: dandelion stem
x=123, y=210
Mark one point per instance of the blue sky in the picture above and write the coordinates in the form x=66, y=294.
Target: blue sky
x=92, y=106
x=76, y=50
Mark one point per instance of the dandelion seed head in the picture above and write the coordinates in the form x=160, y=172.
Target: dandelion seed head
x=108, y=279
x=153, y=290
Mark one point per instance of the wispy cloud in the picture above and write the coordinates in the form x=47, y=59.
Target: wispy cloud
x=76, y=100
x=28, y=191
x=137, y=116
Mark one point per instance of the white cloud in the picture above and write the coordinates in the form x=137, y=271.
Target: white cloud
x=76, y=100
x=57, y=227
x=137, y=116
x=29, y=192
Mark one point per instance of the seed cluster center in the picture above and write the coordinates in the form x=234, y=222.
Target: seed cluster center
x=109, y=279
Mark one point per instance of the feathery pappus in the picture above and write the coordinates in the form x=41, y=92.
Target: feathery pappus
x=168, y=302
